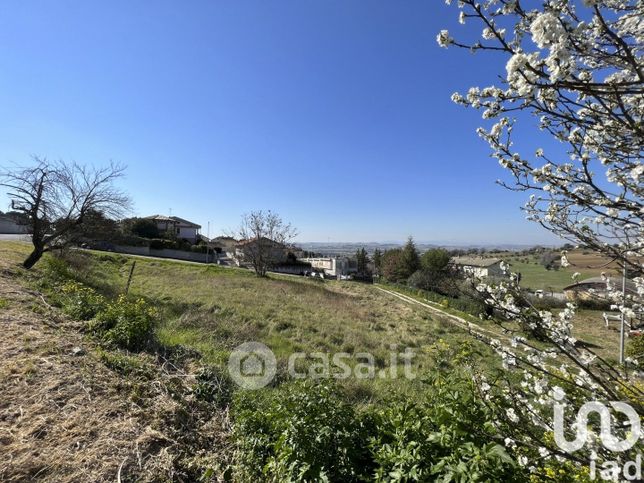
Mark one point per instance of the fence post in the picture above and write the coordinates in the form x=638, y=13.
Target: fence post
x=129, y=278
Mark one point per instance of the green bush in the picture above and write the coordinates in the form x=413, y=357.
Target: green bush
x=198, y=248
x=214, y=386
x=157, y=244
x=56, y=269
x=307, y=432
x=446, y=436
x=635, y=348
x=126, y=323
x=301, y=432
x=80, y=302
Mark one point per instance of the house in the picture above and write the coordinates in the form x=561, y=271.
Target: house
x=9, y=225
x=270, y=250
x=175, y=226
x=331, y=266
x=226, y=244
x=479, y=267
x=597, y=288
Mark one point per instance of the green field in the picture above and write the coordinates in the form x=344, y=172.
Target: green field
x=535, y=276
x=178, y=384
x=213, y=309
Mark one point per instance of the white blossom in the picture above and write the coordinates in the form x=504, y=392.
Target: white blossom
x=443, y=39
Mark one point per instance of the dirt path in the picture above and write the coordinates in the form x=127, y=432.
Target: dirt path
x=453, y=319
x=63, y=414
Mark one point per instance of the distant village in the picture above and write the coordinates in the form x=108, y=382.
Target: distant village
x=173, y=237
x=167, y=236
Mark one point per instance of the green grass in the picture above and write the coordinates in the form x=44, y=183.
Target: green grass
x=213, y=309
x=535, y=276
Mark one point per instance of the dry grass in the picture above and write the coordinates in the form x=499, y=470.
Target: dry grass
x=66, y=416
x=590, y=329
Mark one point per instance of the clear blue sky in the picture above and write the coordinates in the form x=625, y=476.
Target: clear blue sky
x=335, y=114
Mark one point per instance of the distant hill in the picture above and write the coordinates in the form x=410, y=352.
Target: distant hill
x=349, y=248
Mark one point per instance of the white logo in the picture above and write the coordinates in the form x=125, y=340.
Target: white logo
x=609, y=441
x=252, y=365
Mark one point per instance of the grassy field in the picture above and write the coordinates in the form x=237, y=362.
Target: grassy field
x=213, y=309
x=535, y=276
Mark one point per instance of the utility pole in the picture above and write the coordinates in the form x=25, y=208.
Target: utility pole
x=208, y=243
x=621, y=331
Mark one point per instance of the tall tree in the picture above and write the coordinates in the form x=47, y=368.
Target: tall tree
x=435, y=260
x=264, y=235
x=58, y=196
x=143, y=227
x=362, y=259
x=363, y=271
x=392, y=266
x=410, y=257
x=377, y=261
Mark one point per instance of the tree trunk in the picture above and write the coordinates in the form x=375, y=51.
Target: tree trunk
x=33, y=257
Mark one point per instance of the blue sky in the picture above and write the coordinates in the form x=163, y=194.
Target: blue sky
x=335, y=114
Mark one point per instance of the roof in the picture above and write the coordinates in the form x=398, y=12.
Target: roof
x=242, y=243
x=475, y=261
x=615, y=281
x=173, y=219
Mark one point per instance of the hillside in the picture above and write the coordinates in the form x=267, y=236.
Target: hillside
x=79, y=407
x=71, y=411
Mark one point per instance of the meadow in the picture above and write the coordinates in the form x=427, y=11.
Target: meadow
x=535, y=276
x=344, y=430
x=213, y=309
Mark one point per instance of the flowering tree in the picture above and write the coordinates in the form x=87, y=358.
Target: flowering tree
x=578, y=67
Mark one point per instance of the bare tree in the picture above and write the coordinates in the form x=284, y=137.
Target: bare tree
x=264, y=236
x=57, y=196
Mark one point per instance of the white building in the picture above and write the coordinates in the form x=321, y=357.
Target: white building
x=478, y=266
x=176, y=226
x=332, y=266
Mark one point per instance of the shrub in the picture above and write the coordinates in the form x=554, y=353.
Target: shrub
x=214, y=386
x=157, y=244
x=635, y=348
x=448, y=436
x=125, y=322
x=125, y=365
x=57, y=269
x=80, y=302
x=420, y=279
x=307, y=432
x=301, y=432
